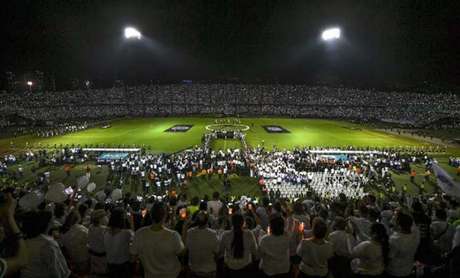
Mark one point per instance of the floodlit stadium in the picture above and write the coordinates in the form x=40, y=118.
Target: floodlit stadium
x=228, y=139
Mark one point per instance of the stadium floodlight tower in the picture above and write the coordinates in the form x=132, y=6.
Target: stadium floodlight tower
x=132, y=33
x=331, y=34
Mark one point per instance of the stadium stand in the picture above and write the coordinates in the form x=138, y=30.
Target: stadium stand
x=409, y=108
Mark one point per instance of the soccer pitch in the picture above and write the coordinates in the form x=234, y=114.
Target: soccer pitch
x=151, y=133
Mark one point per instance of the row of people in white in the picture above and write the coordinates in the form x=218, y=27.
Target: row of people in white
x=158, y=249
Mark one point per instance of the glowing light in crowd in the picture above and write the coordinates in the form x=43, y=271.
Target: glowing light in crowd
x=29, y=83
x=132, y=33
x=331, y=34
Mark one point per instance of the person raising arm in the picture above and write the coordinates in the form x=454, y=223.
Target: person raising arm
x=9, y=266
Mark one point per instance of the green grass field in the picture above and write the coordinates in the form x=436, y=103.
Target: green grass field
x=224, y=144
x=150, y=132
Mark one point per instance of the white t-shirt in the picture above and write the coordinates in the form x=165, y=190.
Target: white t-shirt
x=364, y=227
x=274, y=254
x=75, y=242
x=96, y=238
x=214, y=206
x=402, y=253
x=250, y=249
x=203, y=246
x=314, y=257
x=341, y=241
x=258, y=233
x=45, y=259
x=369, y=258
x=443, y=234
x=158, y=251
x=117, y=246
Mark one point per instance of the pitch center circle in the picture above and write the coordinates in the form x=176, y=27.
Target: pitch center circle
x=227, y=127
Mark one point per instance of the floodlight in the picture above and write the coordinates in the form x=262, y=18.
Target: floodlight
x=331, y=34
x=30, y=83
x=132, y=33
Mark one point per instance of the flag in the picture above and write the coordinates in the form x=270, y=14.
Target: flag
x=446, y=182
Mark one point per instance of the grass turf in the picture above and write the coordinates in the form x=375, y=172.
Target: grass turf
x=224, y=144
x=150, y=132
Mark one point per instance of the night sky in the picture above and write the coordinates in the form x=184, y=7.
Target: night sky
x=385, y=43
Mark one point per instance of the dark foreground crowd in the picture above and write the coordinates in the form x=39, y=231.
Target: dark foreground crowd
x=176, y=237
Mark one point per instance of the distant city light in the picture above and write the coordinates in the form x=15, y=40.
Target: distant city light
x=331, y=34
x=132, y=33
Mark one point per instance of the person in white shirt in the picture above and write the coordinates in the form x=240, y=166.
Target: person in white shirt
x=315, y=252
x=45, y=258
x=214, y=205
x=75, y=242
x=371, y=256
x=340, y=239
x=442, y=232
x=158, y=247
x=96, y=248
x=202, y=245
x=403, y=245
x=274, y=250
x=238, y=247
x=117, y=241
x=362, y=224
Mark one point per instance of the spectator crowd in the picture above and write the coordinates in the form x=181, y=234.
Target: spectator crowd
x=410, y=108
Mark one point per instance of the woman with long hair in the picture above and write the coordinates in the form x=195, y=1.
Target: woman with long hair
x=238, y=246
x=117, y=241
x=371, y=256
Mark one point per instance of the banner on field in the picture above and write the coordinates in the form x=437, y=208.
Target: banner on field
x=446, y=182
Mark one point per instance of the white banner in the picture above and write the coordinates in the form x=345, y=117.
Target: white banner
x=446, y=182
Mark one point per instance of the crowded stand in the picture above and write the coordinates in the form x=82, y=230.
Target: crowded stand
x=408, y=108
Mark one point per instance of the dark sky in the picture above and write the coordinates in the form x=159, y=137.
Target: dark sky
x=385, y=42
